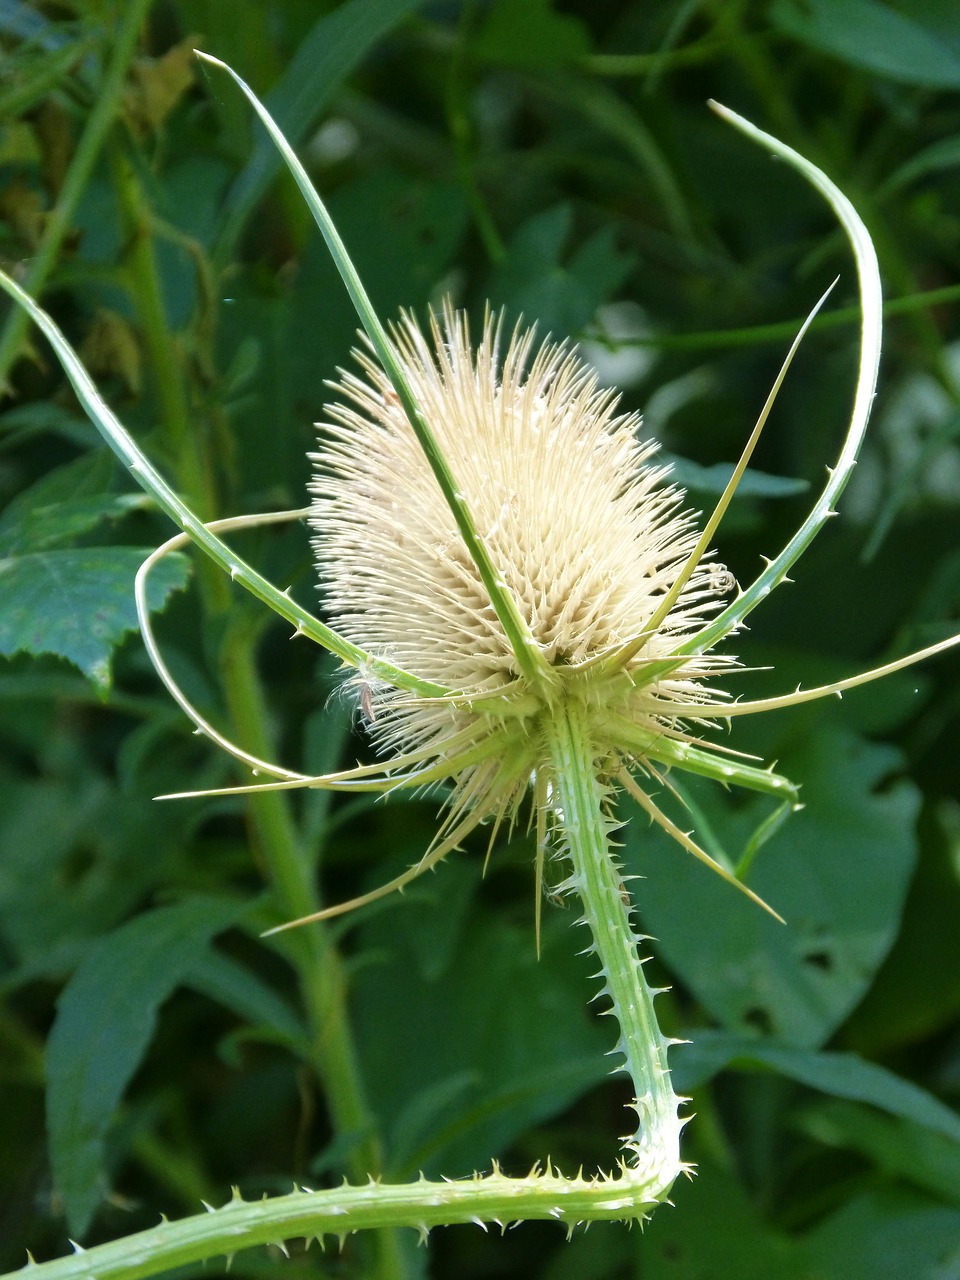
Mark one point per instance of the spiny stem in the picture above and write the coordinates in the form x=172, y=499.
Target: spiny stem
x=871, y=308
x=284, y=859
x=544, y=1195
x=586, y=828
x=652, y=1157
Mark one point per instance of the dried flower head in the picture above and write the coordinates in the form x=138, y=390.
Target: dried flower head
x=587, y=536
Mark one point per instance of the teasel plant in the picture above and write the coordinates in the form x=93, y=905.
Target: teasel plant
x=528, y=615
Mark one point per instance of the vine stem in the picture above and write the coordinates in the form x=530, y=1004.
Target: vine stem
x=647, y=1169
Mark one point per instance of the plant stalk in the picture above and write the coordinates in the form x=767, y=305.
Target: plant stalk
x=586, y=827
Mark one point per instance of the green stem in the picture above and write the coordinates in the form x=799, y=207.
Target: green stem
x=542, y=1196
x=530, y=660
x=312, y=952
x=274, y=834
x=150, y=479
x=651, y=1158
x=179, y=431
x=585, y=824
x=60, y=217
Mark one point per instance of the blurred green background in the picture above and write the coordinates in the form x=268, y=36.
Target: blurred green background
x=559, y=160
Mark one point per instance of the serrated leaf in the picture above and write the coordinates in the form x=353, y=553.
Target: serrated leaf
x=60, y=523
x=838, y=872
x=105, y=1020
x=78, y=603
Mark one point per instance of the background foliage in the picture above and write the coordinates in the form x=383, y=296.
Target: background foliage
x=559, y=160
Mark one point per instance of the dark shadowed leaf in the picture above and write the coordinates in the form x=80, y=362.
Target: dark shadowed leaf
x=844, y=1075
x=838, y=872
x=467, y=1043
x=559, y=290
x=105, y=1020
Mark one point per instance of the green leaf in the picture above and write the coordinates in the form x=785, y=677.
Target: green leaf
x=61, y=523
x=917, y=995
x=247, y=995
x=753, y=484
x=838, y=872
x=334, y=46
x=561, y=296
x=843, y=1075
x=865, y=33
x=915, y=1153
x=105, y=1020
x=530, y=35
x=715, y=1233
x=467, y=1044
x=886, y=1236
x=73, y=865
x=65, y=504
x=78, y=604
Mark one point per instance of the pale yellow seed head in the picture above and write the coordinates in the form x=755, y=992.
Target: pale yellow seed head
x=586, y=533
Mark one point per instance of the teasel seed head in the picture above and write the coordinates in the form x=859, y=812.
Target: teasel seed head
x=583, y=527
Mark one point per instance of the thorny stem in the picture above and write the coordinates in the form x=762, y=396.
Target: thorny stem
x=585, y=828
x=577, y=797
x=651, y=1160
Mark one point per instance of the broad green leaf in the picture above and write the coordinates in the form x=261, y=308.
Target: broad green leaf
x=73, y=863
x=501, y=1040
x=838, y=872
x=844, y=1075
x=875, y=36
x=917, y=994
x=753, y=483
x=63, y=522
x=559, y=291
x=105, y=1020
x=78, y=603
x=715, y=1233
x=62, y=504
x=244, y=992
x=886, y=1235
x=916, y=1154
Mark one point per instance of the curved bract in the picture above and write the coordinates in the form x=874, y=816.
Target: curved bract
x=530, y=613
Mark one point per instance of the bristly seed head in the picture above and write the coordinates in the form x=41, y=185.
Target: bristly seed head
x=584, y=530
